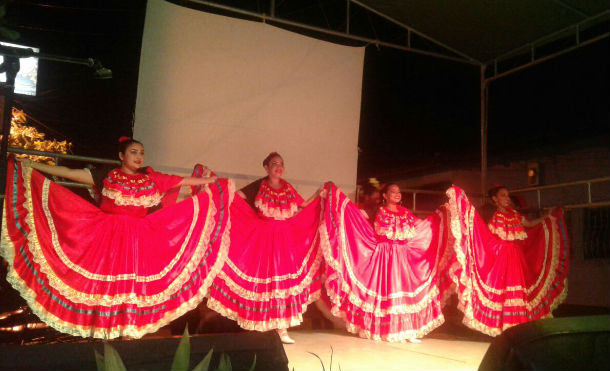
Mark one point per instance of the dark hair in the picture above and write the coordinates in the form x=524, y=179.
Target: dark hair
x=385, y=187
x=493, y=191
x=269, y=157
x=125, y=142
x=368, y=189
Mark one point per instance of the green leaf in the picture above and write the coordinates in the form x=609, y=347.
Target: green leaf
x=225, y=363
x=204, y=365
x=183, y=353
x=318, y=357
x=253, y=363
x=99, y=360
x=112, y=359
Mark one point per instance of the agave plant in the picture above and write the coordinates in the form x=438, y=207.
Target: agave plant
x=111, y=360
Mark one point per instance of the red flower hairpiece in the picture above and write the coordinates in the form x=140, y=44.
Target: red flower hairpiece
x=273, y=154
x=123, y=139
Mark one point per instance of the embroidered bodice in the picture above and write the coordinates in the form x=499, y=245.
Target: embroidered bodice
x=507, y=225
x=133, y=194
x=395, y=225
x=277, y=204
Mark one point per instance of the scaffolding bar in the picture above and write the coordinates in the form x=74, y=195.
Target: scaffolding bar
x=32, y=152
x=265, y=18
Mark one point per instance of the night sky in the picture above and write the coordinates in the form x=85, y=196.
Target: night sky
x=418, y=113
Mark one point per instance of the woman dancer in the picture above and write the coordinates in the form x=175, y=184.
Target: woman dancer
x=385, y=281
x=114, y=270
x=272, y=271
x=506, y=222
x=508, y=274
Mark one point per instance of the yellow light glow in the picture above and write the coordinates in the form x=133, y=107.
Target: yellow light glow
x=28, y=137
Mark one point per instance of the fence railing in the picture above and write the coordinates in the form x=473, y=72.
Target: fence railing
x=58, y=156
x=414, y=195
x=589, y=200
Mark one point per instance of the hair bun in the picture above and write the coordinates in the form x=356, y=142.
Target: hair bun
x=124, y=139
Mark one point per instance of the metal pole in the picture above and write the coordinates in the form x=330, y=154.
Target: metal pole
x=549, y=57
x=6, y=132
x=63, y=156
x=11, y=66
x=414, y=204
x=483, y=134
x=264, y=18
x=347, y=17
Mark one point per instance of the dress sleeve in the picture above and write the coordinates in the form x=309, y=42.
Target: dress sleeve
x=297, y=197
x=251, y=190
x=164, y=182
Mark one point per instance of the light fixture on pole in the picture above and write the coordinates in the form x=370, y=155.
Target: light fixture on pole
x=11, y=65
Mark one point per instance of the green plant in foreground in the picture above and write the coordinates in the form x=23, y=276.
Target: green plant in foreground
x=331, y=360
x=111, y=360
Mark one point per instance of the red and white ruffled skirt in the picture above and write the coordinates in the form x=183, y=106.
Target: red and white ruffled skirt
x=92, y=274
x=504, y=283
x=385, y=290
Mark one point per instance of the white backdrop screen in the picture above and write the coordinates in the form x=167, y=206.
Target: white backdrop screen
x=225, y=92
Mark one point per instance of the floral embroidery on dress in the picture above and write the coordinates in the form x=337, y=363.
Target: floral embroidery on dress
x=134, y=190
x=279, y=204
x=507, y=225
x=395, y=225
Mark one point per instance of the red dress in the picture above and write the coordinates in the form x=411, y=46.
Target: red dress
x=507, y=225
x=112, y=271
x=387, y=281
x=272, y=270
x=509, y=276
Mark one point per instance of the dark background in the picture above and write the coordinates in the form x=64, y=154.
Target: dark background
x=418, y=113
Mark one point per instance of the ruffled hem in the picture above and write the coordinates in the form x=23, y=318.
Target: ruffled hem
x=492, y=310
x=273, y=293
x=508, y=235
x=127, y=200
x=75, y=296
x=394, y=317
x=97, y=318
x=263, y=324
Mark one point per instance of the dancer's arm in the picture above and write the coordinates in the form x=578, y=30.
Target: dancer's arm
x=322, y=192
x=532, y=223
x=77, y=175
x=195, y=181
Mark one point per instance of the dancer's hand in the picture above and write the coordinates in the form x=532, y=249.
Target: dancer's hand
x=323, y=193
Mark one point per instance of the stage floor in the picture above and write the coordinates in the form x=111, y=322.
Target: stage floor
x=439, y=351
